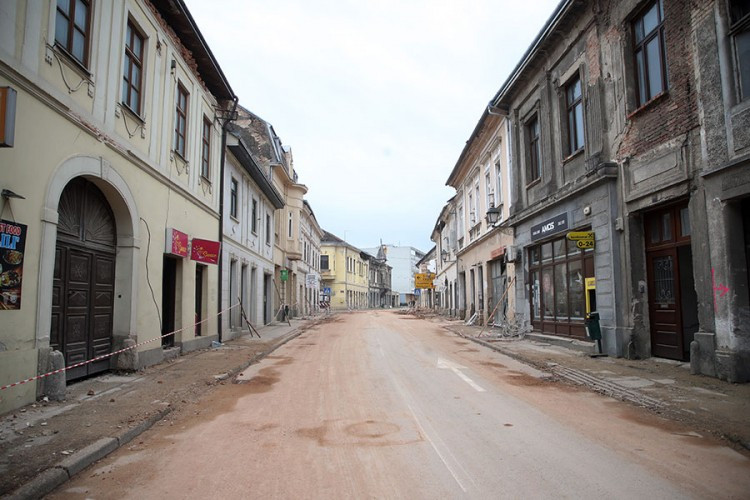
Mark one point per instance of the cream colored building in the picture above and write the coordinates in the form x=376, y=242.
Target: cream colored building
x=345, y=272
x=308, y=268
x=118, y=131
x=484, y=252
x=444, y=236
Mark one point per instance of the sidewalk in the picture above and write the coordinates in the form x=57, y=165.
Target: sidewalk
x=663, y=386
x=46, y=443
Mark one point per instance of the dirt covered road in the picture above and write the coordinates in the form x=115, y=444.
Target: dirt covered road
x=378, y=404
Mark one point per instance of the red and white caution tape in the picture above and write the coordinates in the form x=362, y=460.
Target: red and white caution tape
x=109, y=355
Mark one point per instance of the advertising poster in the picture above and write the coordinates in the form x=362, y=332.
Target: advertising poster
x=12, y=244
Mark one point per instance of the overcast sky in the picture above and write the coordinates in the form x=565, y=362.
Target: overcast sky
x=375, y=98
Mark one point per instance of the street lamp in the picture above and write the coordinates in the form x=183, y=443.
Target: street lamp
x=493, y=214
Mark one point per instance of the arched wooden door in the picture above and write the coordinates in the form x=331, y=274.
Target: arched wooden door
x=84, y=278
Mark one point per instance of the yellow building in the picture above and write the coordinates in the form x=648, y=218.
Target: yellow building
x=344, y=272
x=118, y=132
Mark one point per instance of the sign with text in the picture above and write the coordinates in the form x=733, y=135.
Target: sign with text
x=312, y=280
x=176, y=243
x=424, y=280
x=12, y=246
x=549, y=227
x=205, y=251
x=583, y=239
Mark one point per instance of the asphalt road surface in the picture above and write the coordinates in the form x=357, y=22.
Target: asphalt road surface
x=382, y=405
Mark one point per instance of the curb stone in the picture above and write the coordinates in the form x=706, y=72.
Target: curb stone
x=42, y=484
x=46, y=481
x=577, y=377
x=134, y=432
x=88, y=455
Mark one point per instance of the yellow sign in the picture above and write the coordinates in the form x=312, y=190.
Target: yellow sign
x=585, y=243
x=581, y=235
x=424, y=280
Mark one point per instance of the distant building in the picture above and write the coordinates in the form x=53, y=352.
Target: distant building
x=380, y=294
x=344, y=271
x=403, y=260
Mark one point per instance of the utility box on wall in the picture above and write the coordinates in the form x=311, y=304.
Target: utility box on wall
x=7, y=116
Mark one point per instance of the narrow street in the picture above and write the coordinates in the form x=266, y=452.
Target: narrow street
x=378, y=404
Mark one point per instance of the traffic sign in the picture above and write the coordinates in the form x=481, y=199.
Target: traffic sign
x=581, y=235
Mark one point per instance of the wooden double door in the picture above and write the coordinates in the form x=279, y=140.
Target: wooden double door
x=672, y=299
x=84, y=279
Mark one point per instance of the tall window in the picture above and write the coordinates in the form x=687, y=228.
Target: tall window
x=534, y=170
x=289, y=229
x=268, y=229
x=488, y=189
x=472, y=213
x=739, y=16
x=180, y=122
x=476, y=199
x=254, y=222
x=233, y=198
x=499, y=187
x=206, y=148
x=574, y=101
x=132, y=73
x=324, y=262
x=650, y=55
x=72, y=28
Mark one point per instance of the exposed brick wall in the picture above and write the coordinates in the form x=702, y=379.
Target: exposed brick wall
x=184, y=52
x=676, y=113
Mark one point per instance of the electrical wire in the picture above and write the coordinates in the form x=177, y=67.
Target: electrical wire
x=148, y=279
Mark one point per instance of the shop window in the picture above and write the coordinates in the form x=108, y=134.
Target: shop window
x=557, y=271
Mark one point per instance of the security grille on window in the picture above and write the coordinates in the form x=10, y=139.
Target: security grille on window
x=180, y=126
x=132, y=76
x=72, y=25
x=574, y=101
x=739, y=15
x=650, y=54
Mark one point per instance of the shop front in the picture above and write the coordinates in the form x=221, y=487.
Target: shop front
x=571, y=266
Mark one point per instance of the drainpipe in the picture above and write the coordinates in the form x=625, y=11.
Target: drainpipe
x=224, y=127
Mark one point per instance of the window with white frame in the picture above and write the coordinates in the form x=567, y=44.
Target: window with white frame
x=498, y=184
x=460, y=221
x=472, y=210
x=490, y=202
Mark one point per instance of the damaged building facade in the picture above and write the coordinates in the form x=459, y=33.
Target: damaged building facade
x=628, y=126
